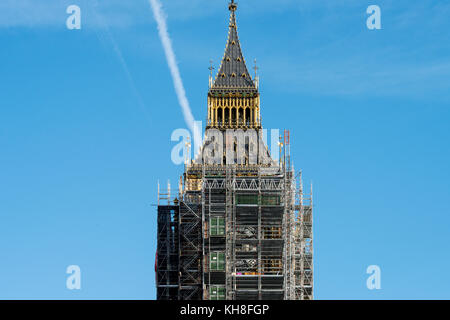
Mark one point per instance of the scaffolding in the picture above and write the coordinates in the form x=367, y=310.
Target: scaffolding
x=245, y=233
x=190, y=241
x=167, y=255
x=303, y=254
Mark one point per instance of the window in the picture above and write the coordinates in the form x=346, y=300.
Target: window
x=216, y=293
x=271, y=200
x=217, y=261
x=217, y=226
x=247, y=199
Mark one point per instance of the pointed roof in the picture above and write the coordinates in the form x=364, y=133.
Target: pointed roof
x=233, y=73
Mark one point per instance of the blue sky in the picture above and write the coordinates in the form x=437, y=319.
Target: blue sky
x=86, y=118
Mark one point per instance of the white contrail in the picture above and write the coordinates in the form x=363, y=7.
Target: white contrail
x=172, y=62
x=104, y=26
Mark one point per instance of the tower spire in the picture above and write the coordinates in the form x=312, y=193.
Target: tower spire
x=232, y=6
x=233, y=73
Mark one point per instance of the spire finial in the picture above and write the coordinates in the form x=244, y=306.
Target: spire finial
x=232, y=6
x=256, y=75
x=256, y=68
x=211, y=68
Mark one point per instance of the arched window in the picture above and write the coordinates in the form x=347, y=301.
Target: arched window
x=241, y=116
x=219, y=116
x=247, y=117
x=233, y=116
x=227, y=116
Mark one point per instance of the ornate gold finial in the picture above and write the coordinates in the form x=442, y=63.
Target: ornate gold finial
x=232, y=6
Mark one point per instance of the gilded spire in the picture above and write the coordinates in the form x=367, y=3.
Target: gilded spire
x=233, y=73
x=232, y=6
